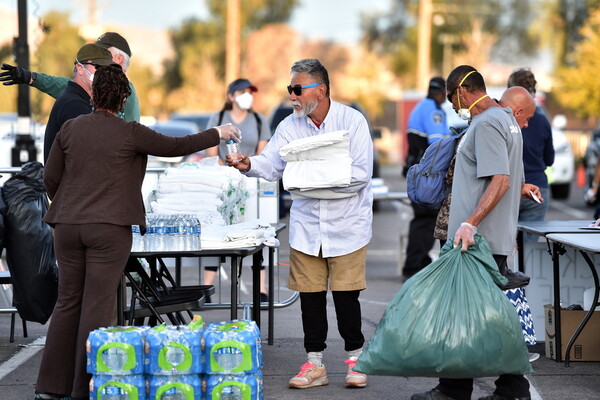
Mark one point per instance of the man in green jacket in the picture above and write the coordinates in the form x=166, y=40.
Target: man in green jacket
x=55, y=85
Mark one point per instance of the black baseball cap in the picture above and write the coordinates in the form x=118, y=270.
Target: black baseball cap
x=240, y=84
x=95, y=54
x=437, y=83
x=113, y=39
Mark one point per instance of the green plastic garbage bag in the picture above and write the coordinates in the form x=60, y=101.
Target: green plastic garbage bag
x=451, y=320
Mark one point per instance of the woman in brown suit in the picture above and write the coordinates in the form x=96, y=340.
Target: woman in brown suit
x=94, y=177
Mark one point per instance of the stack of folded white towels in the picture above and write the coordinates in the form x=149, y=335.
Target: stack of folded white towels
x=317, y=163
x=244, y=234
x=216, y=194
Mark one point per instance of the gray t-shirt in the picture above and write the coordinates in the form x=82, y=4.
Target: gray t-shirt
x=493, y=145
x=249, y=128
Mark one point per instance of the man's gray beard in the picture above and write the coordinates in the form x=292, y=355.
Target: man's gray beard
x=306, y=109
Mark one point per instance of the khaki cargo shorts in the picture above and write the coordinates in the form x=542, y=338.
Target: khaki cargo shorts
x=317, y=274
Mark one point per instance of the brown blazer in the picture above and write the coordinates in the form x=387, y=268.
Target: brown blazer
x=97, y=164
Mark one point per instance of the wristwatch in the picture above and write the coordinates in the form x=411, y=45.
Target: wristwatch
x=33, y=78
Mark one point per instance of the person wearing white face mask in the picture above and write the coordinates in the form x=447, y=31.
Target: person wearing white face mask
x=238, y=111
x=75, y=99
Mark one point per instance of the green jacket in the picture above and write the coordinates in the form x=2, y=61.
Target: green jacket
x=54, y=86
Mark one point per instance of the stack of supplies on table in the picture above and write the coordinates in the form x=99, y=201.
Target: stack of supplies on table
x=217, y=194
x=245, y=234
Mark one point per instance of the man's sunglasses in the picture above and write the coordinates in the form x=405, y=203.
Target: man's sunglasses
x=89, y=63
x=450, y=94
x=297, y=89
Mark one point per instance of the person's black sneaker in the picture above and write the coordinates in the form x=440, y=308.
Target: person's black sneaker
x=264, y=297
x=433, y=394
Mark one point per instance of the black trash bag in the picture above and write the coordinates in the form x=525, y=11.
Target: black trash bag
x=2, y=214
x=29, y=244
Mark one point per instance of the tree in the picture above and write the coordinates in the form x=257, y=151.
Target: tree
x=8, y=97
x=194, y=78
x=577, y=83
x=481, y=30
x=272, y=42
x=254, y=14
x=55, y=55
x=566, y=17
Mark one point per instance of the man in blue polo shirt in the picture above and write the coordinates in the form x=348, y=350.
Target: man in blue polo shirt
x=426, y=125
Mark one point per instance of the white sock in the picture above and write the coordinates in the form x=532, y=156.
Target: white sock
x=316, y=358
x=354, y=354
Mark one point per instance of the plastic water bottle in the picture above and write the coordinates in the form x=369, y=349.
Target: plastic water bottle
x=231, y=393
x=175, y=355
x=161, y=231
x=148, y=238
x=179, y=232
x=229, y=357
x=114, y=358
x=233, y=149
x=196, y=231
x=114, y=393
x=177, y=395
x=136, y=242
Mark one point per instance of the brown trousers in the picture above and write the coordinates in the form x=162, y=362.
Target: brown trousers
x=91, y=260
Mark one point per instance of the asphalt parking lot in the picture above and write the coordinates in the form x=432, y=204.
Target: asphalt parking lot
x=19, y=361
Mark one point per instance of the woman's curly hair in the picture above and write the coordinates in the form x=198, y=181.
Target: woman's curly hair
x=110, y=88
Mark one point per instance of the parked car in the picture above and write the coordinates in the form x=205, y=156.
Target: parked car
x=200, y=119
x=175, y=128
x=562, y=172
x=590, y=158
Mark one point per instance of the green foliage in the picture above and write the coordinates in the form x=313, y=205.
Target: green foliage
x=8, y=100
x=505, y=22
x=577, y=84
x=254, y=14
x=55, y=56
x=194, y=78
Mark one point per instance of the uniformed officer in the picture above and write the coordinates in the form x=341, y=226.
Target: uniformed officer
x=426, y=125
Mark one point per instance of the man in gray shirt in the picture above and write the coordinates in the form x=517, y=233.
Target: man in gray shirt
x=488, y=184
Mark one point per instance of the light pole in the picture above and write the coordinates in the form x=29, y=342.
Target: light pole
x=232, y=42
x=24, y=149
x=424, y=44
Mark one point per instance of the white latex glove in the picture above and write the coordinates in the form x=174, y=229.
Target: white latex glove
x=465, y=234
x=590, y=195
x=229, y=131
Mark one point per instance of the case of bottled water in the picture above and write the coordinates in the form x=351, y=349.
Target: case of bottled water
x=234, y=387
x=232, y=348
x=180, y=387
x=118, y=387
x=173, y=350
x=116, y=350
x=170, y=232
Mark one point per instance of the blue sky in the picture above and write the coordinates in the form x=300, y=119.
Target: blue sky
x=337, y=20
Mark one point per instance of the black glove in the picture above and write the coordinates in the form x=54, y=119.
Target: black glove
x=12, y=75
